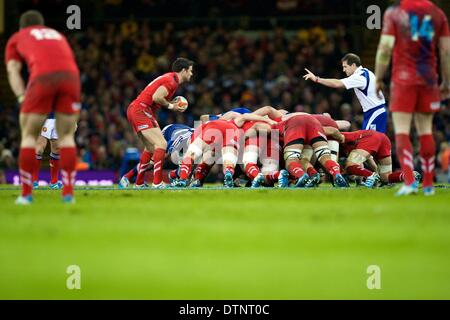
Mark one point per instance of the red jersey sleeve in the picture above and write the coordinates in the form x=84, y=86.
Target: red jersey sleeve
x=11, y=52
x=389, y=22
x=444, y=30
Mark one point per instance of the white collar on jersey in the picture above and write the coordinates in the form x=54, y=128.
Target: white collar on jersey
x=358, y=69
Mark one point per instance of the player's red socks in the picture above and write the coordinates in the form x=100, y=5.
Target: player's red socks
x=27, y=160
x=37, y=167
x=311, y=171
x=251, y=170
x=332, y=167
x=144, y=163
x=54, y=167
x=158, y=159
x=358, y=171
x=68, y=163
x=295, y=169
x=427, y=158
x=228, y=168
x=405, y=156
x=395, y=177
x=130, y=174
x=173, y=174
x=186, y=168
x=202, y=171
x=272, y=177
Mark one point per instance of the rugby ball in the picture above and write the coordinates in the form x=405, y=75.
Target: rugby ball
x=181, y=102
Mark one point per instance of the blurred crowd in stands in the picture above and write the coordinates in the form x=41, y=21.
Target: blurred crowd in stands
x=233, y=68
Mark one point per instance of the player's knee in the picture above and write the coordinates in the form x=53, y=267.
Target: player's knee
x=229, y=158
x=322, y=152
x=250, y=157
x=66, y=140
x=292, y=155
x=161, y=144
x=356, y=158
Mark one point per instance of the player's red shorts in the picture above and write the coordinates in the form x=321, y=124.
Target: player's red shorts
x=218, y=132
x=140, y=117
x=414, y=98
x=303, y=130
x=53, y=92
x=378, y=145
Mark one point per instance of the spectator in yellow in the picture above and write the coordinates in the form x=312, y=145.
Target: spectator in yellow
x=145, y=63
x=128, y=28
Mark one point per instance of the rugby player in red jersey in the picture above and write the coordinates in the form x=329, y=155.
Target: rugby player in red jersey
x=331, y=130
x=260, y=146
x=413, y=30
x=221, y=136
x=53, y=86
x=297, y=131
x=360, y=146
x=141, y=114
x=257, y=148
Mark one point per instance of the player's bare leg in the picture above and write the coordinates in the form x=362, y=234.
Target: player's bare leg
x=229, y=159
x=334, y=149
x=424, y=125
x=30, y=127
x=323, y=155
x=41, y=144
x=404, y=150
x=54, y=164
x=65, y=127
x=153, y=139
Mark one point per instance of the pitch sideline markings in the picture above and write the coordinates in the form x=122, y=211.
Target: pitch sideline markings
x=93, y=188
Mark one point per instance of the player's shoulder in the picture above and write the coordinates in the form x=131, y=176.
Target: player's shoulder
x=440, y=14
x=13, y=38
x=392, y=9
x=170, y=77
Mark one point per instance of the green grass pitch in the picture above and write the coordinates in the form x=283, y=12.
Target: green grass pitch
x=226, y=244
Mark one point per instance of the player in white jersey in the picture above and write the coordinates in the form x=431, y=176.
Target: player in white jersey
x=48, y=133
x=363, y=82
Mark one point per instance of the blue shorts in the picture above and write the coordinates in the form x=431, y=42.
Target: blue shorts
x=376, y=119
